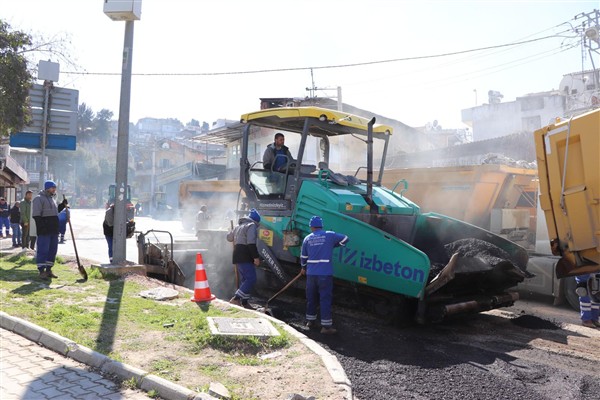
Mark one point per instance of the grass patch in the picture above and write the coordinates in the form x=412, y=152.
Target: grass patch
x=107, y=315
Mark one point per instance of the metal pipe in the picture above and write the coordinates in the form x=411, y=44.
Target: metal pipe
x=42, y=178
x=370, y=163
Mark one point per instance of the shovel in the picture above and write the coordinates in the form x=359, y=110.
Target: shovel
x=79, y=266
x=267, y=310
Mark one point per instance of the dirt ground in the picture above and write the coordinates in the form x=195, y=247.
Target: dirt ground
x=295, y=369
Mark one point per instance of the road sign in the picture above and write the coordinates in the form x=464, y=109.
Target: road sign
x=61, y=122
x=33, y=140
x=62, y=112
x=62, y=99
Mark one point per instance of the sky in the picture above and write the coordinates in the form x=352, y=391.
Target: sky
x=188, y=45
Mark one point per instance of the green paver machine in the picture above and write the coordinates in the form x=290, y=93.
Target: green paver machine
x=399, y=261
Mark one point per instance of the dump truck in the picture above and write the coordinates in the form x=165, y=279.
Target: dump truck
x=499, y=198
x=569, y=186
x=219, y=196
x=399, y=261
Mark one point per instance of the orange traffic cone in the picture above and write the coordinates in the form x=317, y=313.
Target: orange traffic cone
x=201, y=288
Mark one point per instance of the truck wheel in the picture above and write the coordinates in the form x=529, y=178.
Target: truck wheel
x=569, y=289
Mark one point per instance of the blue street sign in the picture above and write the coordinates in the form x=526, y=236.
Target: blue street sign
x=34, y=141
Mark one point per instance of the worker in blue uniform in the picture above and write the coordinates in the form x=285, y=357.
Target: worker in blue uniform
x=589, y=308
x=317, y=265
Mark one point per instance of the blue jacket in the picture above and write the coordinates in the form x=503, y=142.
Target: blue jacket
x=317, y=251
x=4, y=210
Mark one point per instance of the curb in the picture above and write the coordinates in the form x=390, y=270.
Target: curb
x=89, y=357
x=84, y=355
x=146, y=381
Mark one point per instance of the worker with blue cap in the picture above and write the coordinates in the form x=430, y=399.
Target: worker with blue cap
x=45, y=213
x=245, y=256
x=316, y=260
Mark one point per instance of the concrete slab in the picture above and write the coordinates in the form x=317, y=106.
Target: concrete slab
x=116, y=269
x=241, y=326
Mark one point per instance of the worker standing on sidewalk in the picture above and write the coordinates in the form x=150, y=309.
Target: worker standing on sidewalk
x=45, y=213
x=245, y=255
x=317, y=252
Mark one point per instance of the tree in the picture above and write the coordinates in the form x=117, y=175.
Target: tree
x=16, y=50
x=15, y=79
x=102, y=125
x=85, y=117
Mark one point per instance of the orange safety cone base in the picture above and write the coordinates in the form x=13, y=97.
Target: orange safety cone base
x=211, y=298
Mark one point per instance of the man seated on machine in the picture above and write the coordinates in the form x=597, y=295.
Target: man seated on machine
x=277, y=156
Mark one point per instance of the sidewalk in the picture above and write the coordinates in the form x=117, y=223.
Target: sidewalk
x=34, y=365
x=30, y=371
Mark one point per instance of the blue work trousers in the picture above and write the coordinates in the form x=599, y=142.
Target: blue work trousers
x=16, y=234
x=5, y=222
x=47, y=245
x=319, y=290
x=590, y=311
x=109, y=240
x=248, y=273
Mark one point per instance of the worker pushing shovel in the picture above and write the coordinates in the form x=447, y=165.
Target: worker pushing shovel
x=245, y=255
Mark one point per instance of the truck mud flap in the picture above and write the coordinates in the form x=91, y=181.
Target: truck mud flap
x=267, y=255
x=566, y=268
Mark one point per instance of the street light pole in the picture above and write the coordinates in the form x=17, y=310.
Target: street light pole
x=120, y=216
x=47, y=88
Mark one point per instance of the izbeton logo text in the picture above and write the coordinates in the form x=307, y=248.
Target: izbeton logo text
x=376, y=264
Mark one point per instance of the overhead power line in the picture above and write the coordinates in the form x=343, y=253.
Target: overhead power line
x=319, y=67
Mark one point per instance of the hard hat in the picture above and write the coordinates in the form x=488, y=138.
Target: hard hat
x=49, y=184
x=316, y=222
x=254, y=215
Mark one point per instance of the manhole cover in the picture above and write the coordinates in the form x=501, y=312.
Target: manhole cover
x=241, y=326
x=160, y=293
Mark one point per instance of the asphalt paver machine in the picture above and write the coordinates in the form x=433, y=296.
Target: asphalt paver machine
x=399, y=261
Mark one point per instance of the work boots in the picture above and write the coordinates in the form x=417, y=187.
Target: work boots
x=235, y=301
x=328, y=330
x=590, y=324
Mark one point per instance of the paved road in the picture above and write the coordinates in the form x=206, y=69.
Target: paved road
x=30, y=371
x=91, y=244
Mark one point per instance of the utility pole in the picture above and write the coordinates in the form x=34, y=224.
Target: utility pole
x=119, y=228
x=590, y=38
x=48, y=71
x=128, y=11
x=313, y=90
